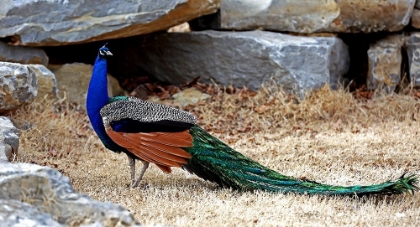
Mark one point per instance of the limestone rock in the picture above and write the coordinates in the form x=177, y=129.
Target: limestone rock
x=307, y=16
x=73, y=80
x=58, y=22
x=415, y=19
x=16, y=213
x=412, y=45
x=18, y=85
x=242, y=58
x=47, y=83
x=297, y=16
x=23, y=55
x=385, y=63
x=189, y=96
x=9, y=140
x=184, y=27
x=372, y=16
x=51, y=192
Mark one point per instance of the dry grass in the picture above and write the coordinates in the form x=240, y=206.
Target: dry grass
x=329, y=137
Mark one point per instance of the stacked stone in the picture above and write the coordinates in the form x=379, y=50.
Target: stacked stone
x=232, y=52
x=389, y=18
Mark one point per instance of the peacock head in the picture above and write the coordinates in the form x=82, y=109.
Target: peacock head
x=104, y=52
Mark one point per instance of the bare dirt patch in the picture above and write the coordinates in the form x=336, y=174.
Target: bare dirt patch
x=330, y=137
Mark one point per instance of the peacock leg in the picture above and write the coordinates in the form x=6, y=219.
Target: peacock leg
x=142, y=171
x=132, y=164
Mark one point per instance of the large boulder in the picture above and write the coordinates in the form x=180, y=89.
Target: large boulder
x=415, y=18
x=412, y=46
x=17, y=213
x=47, y=82
x=58, y=22
x=307, y=16
x=385, y=63
x=23, y=55
x=18, y=85
x=9, y=140
x=239, y=58
x=47, y=194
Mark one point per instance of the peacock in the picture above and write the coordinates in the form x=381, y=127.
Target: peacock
x=169, y=137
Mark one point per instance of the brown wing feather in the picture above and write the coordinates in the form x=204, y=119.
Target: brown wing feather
x=158, y=157
x=150, y=154
x=176, y=139
x=161, y=144
x=165, y=169
x=163, y=149
x=158, y=149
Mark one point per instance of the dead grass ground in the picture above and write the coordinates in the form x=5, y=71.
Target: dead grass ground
x=329, y=137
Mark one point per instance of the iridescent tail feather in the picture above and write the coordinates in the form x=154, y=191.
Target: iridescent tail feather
x=213, y=160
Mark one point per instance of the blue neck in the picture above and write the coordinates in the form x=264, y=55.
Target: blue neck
x=97, y=97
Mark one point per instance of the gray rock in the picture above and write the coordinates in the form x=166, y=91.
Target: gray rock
x=415, y=18
x=372, y=16
x=308, y=16
x=243, y=58
x=189, y=96
x=47, y=83
x=14, y=213
x=51, y=192
x=280, y=15
x=58, y=22
x=18, y=85
x=412, y=45
x=23, y=55
x=385, y=63
x=184, y=27
x=9, y=140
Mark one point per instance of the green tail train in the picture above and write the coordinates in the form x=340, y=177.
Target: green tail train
x=215, y=161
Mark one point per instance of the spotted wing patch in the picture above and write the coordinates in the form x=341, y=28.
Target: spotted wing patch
x=161, y=148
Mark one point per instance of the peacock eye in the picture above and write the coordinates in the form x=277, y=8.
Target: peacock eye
x=102, y=52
